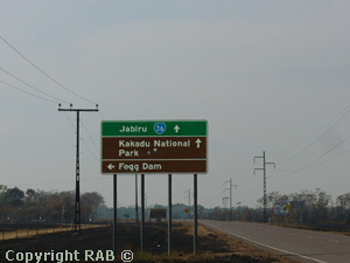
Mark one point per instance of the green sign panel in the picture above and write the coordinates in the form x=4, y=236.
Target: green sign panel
x=154, y=128
x=159, y=146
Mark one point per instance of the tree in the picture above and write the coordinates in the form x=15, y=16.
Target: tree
x=343, y=201
x=271, y=199
x=90, y=202
x=31, y=195
x=14, y=197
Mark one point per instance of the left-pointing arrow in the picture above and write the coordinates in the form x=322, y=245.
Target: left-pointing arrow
x=110, y=166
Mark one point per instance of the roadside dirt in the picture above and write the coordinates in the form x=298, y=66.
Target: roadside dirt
x=97, y=242
x=25, y=233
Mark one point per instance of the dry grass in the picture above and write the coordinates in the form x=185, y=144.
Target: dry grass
x=26, y=233
x=213, y=246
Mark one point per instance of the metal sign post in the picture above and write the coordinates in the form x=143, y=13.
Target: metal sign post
x=136, y=201
x=169, y=212
x=142, y=212
x=115, y=214
x=195, y=214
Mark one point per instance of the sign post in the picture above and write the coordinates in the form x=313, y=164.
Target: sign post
x=155, y=147
x=115, y=214
x=142, y=212
x=195, y=194
x=170, y=213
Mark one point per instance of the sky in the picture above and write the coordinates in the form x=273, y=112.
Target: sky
x=268, y=76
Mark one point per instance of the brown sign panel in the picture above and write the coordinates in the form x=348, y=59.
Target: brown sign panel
x=154, y=166
x=143, y=148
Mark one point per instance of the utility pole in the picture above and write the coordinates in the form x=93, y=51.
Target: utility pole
x=264, y=169
x=224, y=201
x=189, y=203
x=77, y=171
x=230, y=188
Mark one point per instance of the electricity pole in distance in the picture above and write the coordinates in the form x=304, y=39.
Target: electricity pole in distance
x=77, y=175
x=230, y=188
x=264, y=169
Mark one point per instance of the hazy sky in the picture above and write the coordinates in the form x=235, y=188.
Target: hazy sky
x=268, y=76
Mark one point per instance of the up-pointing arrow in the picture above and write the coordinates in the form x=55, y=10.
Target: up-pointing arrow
x=198, y=142
x=176, y=128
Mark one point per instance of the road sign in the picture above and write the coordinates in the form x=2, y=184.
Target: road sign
x=157, y=213
x=281, y=208
x=154, y=146
x=297, y=204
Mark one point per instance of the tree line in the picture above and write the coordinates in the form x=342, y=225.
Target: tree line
x=319, y=211
x=37, y=205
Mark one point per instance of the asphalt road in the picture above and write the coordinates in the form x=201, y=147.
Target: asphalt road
x=302, y=245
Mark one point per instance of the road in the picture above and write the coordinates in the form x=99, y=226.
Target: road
x=302, y=245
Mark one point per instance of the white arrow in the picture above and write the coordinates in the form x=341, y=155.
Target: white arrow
x=198, y=143
x=177, y=128
x=110, y=166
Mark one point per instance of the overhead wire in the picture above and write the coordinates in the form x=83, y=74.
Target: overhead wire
x=52, y=99
x=246, y=175
x=87, y=132
x=28, y=93
x=43, y=72
x=336, y=157
x=244, y=187
x=32, y=87
x=307, y=166
x=319, y=137
x=87, y=147
x=210, y=197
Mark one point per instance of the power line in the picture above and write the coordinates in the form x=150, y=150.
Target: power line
x=32, y=87
x=244, y=187
x=87, y=147
x=307, y=166
x=329, y=159
x=87, y=132
x=318, y=138
x=43, y=72
x=26, y=92
x=246, y=175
